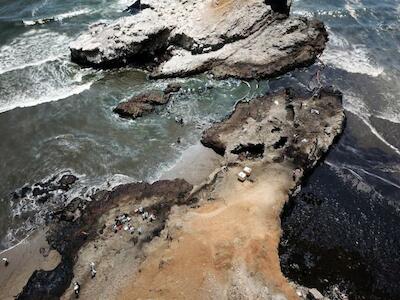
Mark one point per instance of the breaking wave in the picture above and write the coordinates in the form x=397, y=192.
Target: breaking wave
x=48, y=82
x=32, y=49
x=351, y=58
x=57, y=18
x=53, y=95
x=356, y=106
x=31, y=72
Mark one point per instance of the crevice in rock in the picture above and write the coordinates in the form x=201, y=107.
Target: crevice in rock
x=281, y=143
x=289, y=112
x=279, y=6
x=250, y=151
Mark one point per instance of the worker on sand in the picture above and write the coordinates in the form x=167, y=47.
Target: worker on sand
x=5, y=261
x=92, y=270
x=77, y=289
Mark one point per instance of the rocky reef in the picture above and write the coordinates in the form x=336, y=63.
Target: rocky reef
x=244, y=39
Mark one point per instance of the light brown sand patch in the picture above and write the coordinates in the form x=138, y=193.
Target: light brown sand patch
x=221, y=245
x=30, y=255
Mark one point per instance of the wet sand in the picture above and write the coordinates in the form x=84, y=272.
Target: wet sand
x=195, y=165
x=31, y=254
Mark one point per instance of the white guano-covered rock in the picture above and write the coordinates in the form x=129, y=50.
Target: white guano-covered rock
x=244, y=39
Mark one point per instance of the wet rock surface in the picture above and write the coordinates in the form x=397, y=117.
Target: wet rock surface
x=59, y=182
x=145, y=103
x=343, y=241
x=50, y=193
x=67, y=235
x=227, y=38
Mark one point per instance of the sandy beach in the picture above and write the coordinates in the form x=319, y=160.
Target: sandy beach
x=226, y=246
x=31, y=254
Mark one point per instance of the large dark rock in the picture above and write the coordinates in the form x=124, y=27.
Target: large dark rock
x=145, y=103
x=67, y=180
x=141, y=104
x=172, y=88
x=136, y=7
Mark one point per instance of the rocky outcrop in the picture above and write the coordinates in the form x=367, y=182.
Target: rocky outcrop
x=145, y=103
x=68, y=235
x=279, y=136
x=49, y=191
x=281, y=127
x=205, y=252
x=244, y=39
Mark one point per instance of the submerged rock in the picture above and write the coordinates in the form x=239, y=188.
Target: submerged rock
x=146, y=102
x=67, y=180
x=141, y=104
x=172, y=88
x=228, y=38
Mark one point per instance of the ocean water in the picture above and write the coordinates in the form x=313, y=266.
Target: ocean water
x=56, y=116
x=341, y=234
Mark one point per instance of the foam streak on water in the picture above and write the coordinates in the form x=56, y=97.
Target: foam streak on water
x=355, y=169
x=356, y=106
x=351, y=58
x=54, y=95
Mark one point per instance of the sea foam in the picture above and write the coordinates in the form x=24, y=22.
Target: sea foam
x=57, y=18
x=32, y=49
x=351, y=58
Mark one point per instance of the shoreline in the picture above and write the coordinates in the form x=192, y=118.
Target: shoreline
x=195, y=165
x=31, y=244
x=196, y=227
x=33, y=253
